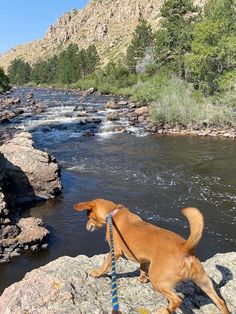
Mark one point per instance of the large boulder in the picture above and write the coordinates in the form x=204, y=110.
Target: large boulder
x=63, y=286
x=31, y=173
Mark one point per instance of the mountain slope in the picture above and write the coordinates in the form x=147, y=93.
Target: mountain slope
x=106, y=23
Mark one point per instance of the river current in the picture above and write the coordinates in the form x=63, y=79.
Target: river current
x=155, y=176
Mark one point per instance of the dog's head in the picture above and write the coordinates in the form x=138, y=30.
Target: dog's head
x=97, y=210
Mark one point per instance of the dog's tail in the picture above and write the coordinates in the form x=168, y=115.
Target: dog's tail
x=196, y=223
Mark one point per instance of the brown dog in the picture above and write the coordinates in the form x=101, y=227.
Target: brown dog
x=170, y=257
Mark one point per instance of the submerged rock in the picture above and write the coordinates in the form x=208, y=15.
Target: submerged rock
x=32, y=174
x=113, y=116
x=63, y=286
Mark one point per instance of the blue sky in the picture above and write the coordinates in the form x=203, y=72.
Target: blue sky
x=22, y=21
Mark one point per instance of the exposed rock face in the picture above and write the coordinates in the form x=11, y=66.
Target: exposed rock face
x=108, y=24
x=32, y=174
x=63, y=286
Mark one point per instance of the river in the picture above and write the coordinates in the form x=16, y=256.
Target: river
x=153, y=175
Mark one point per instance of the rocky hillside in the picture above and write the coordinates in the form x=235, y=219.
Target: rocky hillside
x=106, y=23
x=63, y=286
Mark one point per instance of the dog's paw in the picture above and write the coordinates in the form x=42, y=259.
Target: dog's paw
x=162, y=310
x=143, y=279
x=94, y=273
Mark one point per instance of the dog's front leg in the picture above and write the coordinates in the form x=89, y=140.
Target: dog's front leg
x=105, y=267
x=143, y=277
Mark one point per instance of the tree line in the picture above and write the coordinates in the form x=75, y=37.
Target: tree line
x=68, y=67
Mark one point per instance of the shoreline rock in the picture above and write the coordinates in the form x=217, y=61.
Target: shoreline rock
x=32, y=174
x=26, y=175
x=138, y=115
x=63, y=286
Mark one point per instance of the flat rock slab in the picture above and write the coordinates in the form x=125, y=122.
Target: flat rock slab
x=63, y=286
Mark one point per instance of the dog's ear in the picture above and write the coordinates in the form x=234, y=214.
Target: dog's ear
x=84, y=206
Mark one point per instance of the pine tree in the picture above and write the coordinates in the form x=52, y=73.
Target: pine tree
x=92, y=59
x=174, y=38
x=19, y=72
x=68, y=68
x=141, y=41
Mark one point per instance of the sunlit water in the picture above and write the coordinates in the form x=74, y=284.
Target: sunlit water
x=154, y=176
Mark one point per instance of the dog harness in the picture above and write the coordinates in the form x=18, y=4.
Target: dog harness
x=115, y=303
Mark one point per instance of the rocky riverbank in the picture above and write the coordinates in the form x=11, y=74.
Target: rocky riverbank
x=124, y=114
x=138, y=116
x=26, y=175
x=63, y=286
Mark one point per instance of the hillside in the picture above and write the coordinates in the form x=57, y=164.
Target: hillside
x=106, y=23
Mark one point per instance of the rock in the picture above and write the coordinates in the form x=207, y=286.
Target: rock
x=112, y=105
x=28, y=233
x=113, y=116
x=96, y=120
x=29, y=96
x=32, y=231
x=32, y=174
x=119, y=128
x=90, y=91
x=141, y=119
x=132, y=105
x=10, y=101
x=88, y=133
x=63, y=286
x=132, y=116
x=141, y=111
x=122, y=103
x=10, y=231
x=18, y=111
x=79, y=108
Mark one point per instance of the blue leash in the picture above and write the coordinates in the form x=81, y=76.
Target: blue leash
x=115, y=302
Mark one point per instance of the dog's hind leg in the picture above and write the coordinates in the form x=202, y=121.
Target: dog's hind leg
x=204, y=282
x=143, y=277
x=161, y=284
x=173, y=299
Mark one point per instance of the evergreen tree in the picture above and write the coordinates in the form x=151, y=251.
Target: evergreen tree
x=141, y=41
x=214, y=46
x=68, y=68
x=92, y=59
x=83, y=62
x=19, y=72
x=174, y=38
x=44, y=71
x=4, y=81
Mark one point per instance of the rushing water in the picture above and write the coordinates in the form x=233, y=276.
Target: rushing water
x=154, y=176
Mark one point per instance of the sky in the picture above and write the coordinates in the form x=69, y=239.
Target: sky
x=22, y=21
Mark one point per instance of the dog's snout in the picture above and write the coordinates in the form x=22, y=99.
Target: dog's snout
x=90, y=227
